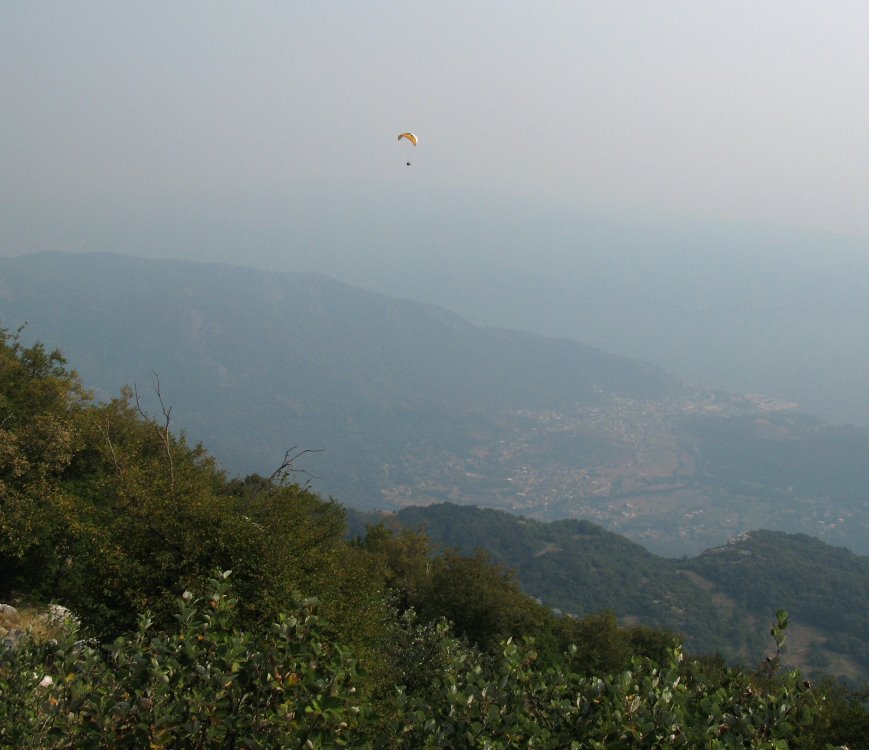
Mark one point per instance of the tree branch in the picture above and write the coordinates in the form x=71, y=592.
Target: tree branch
x=283, y=472
x=105, y=433
x=162, y=430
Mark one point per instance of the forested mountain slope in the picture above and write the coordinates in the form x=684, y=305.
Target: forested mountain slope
x=714, y=599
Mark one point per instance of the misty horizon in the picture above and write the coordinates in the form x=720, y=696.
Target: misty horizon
x=685, y=184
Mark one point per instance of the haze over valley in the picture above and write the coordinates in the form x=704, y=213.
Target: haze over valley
x=411, y=404
x=741, y=308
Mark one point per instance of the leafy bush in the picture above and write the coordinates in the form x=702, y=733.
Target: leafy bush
x=209, y=683
x=205, y=684
x=648, y=705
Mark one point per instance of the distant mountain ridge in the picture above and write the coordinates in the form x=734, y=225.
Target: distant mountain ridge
x=295, y=358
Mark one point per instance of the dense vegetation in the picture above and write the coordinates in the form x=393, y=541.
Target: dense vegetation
x=311, y=640
x=714, y=600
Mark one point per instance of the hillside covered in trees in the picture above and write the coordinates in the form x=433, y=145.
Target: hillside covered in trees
x=713, y=600
x=211, y=611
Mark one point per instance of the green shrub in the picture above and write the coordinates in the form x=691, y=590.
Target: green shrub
x=206, y=684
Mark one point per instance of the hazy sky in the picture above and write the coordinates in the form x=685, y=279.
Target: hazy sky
x=683, y=182
x=739, y=111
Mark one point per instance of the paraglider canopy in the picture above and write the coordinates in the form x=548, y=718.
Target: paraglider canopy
x=410, y=136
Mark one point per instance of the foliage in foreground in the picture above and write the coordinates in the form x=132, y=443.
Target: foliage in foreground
x=209, y=683
x=203, y=684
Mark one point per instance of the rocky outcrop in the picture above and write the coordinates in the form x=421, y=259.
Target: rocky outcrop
x=42, y=623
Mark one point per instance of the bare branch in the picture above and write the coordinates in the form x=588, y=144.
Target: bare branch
x=283, y=472
x=162, y=430
x=7, y=418
x=105, y=432
x=155, y=380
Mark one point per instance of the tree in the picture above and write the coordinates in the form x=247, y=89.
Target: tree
x=40, y=402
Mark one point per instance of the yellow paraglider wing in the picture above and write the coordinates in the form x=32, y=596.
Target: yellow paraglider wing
x=410, y=136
